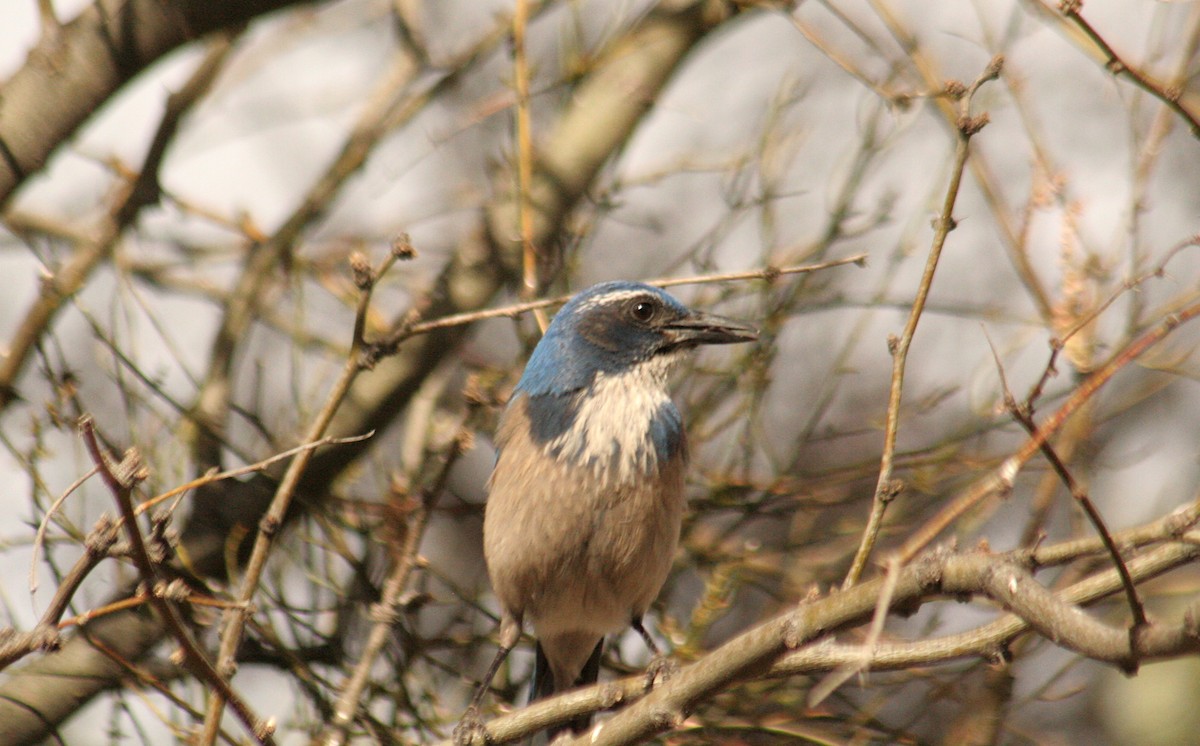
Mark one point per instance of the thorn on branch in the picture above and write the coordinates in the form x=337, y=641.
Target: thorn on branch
x=663, y=719
x=163, y=539
x=797, y=633
x=1033, y=547
x=124, y=475
x=226, y=669
x=930, y=567
x=1006, y=477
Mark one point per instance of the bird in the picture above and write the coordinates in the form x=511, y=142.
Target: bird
x=586, y=498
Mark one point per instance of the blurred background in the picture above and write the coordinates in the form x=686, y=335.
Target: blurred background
x=175, y=260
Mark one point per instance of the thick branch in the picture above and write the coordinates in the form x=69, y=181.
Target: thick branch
x=793, y=644
x=61, y=283
x=69, y=75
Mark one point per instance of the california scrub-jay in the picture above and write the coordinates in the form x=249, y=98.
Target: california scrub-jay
x=586, y=499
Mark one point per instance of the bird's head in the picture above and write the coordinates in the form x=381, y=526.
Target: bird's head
x=612, y=327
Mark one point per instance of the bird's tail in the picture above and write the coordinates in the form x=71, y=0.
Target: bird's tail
x=543, y=685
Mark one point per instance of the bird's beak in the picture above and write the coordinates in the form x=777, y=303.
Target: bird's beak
x=699, y=328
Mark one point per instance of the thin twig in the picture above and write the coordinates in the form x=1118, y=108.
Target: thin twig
x=885, y=488
x=1000, y=480
x=1023, y=413
x=98, y=544
x=530, y=284
x=217, y=476
x=985, y=179
x=1025, y=417
x=235, y=618
x=384, y=613
x=1113, y=62
x=40, y=537
x=1129, y=284
x=145, y=678
x=390, y=96
x=866, y=649
x=44, y=636
x=177, y=594
x=121, y=478
x=405, y=330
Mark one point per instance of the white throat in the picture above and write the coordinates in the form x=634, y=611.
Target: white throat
x=612, y=429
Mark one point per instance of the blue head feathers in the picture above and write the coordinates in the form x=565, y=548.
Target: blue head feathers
x=595, y=331
x=601, y=367
x=613, y=326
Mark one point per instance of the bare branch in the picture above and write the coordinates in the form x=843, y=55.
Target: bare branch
x=1115, y=64
x=885, y=489
x=70, y=73
x=797, y=642
x=121, y=479
x=1000, y=480
x=59, y=285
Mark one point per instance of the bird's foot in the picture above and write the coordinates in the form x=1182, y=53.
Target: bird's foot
x=471, y=731
x=659, y=670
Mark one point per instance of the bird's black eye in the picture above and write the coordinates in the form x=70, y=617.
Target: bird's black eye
x=642, y=310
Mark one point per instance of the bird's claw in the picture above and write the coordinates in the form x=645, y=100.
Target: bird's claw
x=470, y=730
x=660, y=669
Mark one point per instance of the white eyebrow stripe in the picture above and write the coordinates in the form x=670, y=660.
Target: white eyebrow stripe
x=612, y=296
